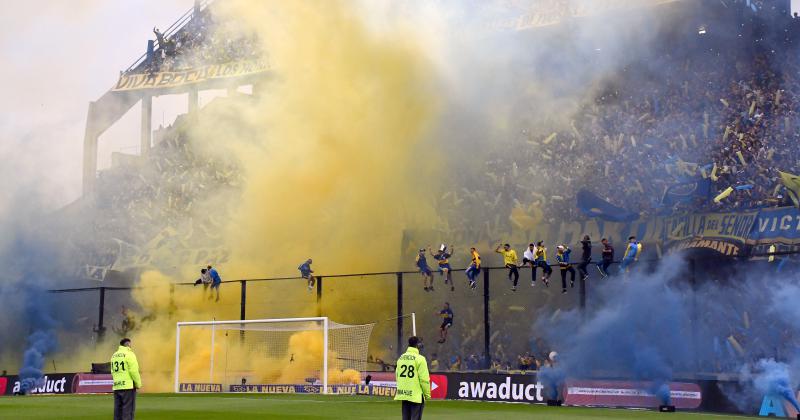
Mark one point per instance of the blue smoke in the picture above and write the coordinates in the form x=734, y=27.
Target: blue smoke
x=776, y=376
x=771, y=377
x=654, y=327
x=41, y=341
x=552, y=378
x=39, y=344
x=32, y=258
x=638, y=332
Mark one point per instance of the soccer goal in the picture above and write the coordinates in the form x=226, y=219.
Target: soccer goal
x=269, y=355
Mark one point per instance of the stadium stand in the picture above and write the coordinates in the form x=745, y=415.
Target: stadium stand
x=646, y=134
x=726, y=115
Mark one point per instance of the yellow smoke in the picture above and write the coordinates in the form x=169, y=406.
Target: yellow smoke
x=336, y=171
x=335, y=168
x=306, y=349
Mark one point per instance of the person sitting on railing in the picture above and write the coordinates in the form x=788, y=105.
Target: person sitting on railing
x=562, y=255
x=216, y=281
x=608, y=257
x=307, y=273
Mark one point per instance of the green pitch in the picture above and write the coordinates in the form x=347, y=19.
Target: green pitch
x=260, y=406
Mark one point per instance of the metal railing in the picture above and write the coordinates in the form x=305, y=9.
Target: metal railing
x=176, y=26
x=492, y=294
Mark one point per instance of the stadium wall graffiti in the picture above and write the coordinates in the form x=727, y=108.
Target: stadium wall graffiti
x=172, y=79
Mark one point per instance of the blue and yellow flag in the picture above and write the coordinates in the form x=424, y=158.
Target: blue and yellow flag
x=593, y=206
x=792, y=184
x=685, y=192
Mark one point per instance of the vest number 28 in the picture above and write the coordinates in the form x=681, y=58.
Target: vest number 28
x=406, y=371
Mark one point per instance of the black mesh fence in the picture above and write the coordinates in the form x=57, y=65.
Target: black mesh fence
x=497, y=325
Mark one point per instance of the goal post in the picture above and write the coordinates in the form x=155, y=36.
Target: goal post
x=245, y=355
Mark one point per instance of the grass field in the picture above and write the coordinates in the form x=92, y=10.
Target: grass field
x=261, y=406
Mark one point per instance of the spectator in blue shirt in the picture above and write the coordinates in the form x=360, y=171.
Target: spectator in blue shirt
x=562, y=256
x=305, y=272
x=216, y=280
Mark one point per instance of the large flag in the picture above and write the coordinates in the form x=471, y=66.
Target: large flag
x=792, y=184
x=593, y=206
x=685, y=192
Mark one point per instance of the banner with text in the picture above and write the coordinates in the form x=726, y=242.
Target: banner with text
x=89, y=383
x=376, y=390
x=51, y=383
x=725, y=233
x=776, y=227
x=629, y=394
x=172, y=79
x=492, y=387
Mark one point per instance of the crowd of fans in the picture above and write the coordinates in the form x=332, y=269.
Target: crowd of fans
x=202, y=41
x=142, y=198
x=701, y=108
x=739, y=332
x=721, y=113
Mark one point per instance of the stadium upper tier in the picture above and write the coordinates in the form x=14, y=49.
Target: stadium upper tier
x=694, y=118
x=698, y=116
x=196, y=39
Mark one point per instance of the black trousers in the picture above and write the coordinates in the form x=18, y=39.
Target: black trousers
x=526, y=262
x=124, y=404
x=564, y=271
x=412, y=410
x=545, y=268
x=582, y=267
x=604, y=266
x=513, y=273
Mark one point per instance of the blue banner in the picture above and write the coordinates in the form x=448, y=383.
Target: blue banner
x=593, y=206
x=774, y=226
x=686, y=192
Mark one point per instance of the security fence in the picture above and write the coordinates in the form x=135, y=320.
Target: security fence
x=492, y=322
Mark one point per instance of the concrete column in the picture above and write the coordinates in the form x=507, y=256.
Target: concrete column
x=147, y=124
x=89, y=154
x=194, y=99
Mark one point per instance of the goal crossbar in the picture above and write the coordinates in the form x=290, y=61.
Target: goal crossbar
x=252, y=321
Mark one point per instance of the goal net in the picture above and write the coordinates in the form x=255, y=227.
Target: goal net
x=269, y=355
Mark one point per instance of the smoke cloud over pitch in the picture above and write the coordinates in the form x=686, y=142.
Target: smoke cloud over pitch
x=655, y=327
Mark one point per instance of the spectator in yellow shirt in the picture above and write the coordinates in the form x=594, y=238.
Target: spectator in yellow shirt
x=510, y=261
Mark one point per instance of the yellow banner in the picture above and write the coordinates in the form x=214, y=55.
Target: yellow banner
x=732, y=226
x=723, y=247
x=172, y=79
